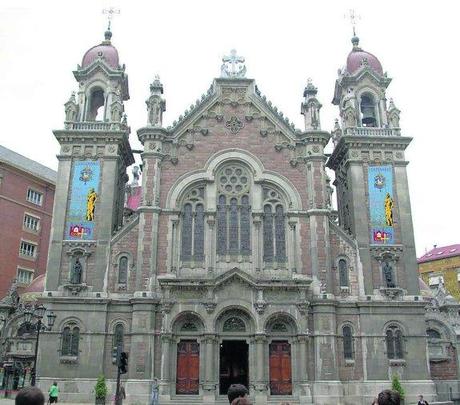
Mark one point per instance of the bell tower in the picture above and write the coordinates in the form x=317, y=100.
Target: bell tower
x=93, y=158
x=370, y=175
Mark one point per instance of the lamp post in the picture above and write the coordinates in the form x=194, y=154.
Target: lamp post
x=38, y=312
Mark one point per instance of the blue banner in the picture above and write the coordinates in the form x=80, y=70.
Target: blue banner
x=380, y=186
x=83, y=201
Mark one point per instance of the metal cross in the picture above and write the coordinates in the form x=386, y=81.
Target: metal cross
x=353, y=19
x=111, y=12
x=233, y=59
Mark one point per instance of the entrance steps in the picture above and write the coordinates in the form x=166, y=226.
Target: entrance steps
x=191, y=400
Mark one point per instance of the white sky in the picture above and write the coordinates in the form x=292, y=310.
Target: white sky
x=284, y=42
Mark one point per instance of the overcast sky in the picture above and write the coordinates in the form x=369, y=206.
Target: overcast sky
x=284, y=42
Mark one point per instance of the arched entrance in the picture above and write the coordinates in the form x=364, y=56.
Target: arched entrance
x=234, y=327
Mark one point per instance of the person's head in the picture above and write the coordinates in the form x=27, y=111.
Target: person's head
x=388, y=397
x=420, y=397
x=236, y=391
x=30, y=396
x=55, y=383
x=241, y=401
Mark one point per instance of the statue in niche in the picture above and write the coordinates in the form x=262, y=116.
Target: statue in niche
x=350, y=117
x=387, y=270
x=76, y=272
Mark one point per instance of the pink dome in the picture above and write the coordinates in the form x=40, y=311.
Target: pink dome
x=357, y=57
x=105, y=50
x=34, y=290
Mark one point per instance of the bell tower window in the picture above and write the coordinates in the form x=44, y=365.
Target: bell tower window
x=368, y=111
x=96, y=105
x=233, y=211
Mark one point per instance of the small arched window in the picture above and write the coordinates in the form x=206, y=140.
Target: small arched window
x=123, y=270
x=433, y=334
x=70, y=340
x=96, y=105
x=394, y=343
x=348, y=349
x=274, y=227
x=192, y=247
x=343, y=273
x=368, y=111
x=118, y=336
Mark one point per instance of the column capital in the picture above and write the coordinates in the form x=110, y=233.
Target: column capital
x=209, y=338
x=260, y=338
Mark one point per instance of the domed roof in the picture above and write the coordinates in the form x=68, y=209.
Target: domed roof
x=357, y=58
x=105, y=50
x=34, y=290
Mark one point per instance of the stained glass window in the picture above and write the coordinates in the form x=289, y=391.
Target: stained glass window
x=233, y=227
x=187, y=232
x=245, y=226
x=65, y=349
x=433, y=334
x=268, y=233
x=347, y=342
x=343, y=273
x=123, y=270
x=280, y=235
x=222, y=226
x=75, y=341
x=118, y=336
x=198, y=240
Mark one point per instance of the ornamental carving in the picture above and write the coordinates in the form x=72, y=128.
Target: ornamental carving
x=234, y=124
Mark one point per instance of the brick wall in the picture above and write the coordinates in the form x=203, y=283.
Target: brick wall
x=445, y=370
x=13, y=204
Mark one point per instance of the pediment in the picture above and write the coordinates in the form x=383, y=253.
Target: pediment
x=232, y=104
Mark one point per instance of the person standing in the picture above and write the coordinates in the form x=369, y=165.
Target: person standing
x=154, y=395
x=421, y=401
x=53, y=393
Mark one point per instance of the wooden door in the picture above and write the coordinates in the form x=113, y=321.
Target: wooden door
x=280, y=368
x=188, y=367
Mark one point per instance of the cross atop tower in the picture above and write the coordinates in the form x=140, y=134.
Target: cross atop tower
x=353, y=19
x=111, y=12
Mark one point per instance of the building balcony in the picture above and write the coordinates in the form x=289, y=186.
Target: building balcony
x=95, y=126
x=371, y=131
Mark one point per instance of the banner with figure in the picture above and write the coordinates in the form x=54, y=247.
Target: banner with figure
x=380, y=186
x=83, y=201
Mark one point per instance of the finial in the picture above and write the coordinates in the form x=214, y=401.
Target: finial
x=156, y=85
x=310, y=89
x=110, y=13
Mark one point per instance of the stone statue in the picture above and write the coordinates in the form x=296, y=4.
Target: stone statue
x=388, y=275
x=136, y=175
x=350, y=117
x=154, y=111
x=115, y=112
x=71, y=109
x=393, y=115
x=76, y=272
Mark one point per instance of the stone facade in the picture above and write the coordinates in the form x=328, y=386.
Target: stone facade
x=234, y=266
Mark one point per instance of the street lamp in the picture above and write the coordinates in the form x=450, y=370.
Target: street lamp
x=38, y=312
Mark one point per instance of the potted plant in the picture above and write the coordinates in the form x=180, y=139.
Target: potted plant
x=100, y=390
x=396, y=386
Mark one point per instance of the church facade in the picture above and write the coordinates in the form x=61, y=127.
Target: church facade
x=234, y=267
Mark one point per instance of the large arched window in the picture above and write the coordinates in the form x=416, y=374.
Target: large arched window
x=233, y=211
x=118, y=340
x=394, y=342
x=192, y=247
x=343, y=273
x=70, y=340
x=368, y=111
x=348, y=352
x=123, y=270
x=274, y=227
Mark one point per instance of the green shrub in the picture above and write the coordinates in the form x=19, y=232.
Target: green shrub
x=101, y=387
x=396, y=386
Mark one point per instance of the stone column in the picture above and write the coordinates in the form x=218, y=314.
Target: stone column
x=166, y=340
x=256, y=237
x=304, y=387
x=260, y=385
x=211, y=243
x=209, y=386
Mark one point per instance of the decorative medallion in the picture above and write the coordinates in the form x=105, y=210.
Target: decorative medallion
x=234, y=124
x=86, y=175
x=379, y=181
